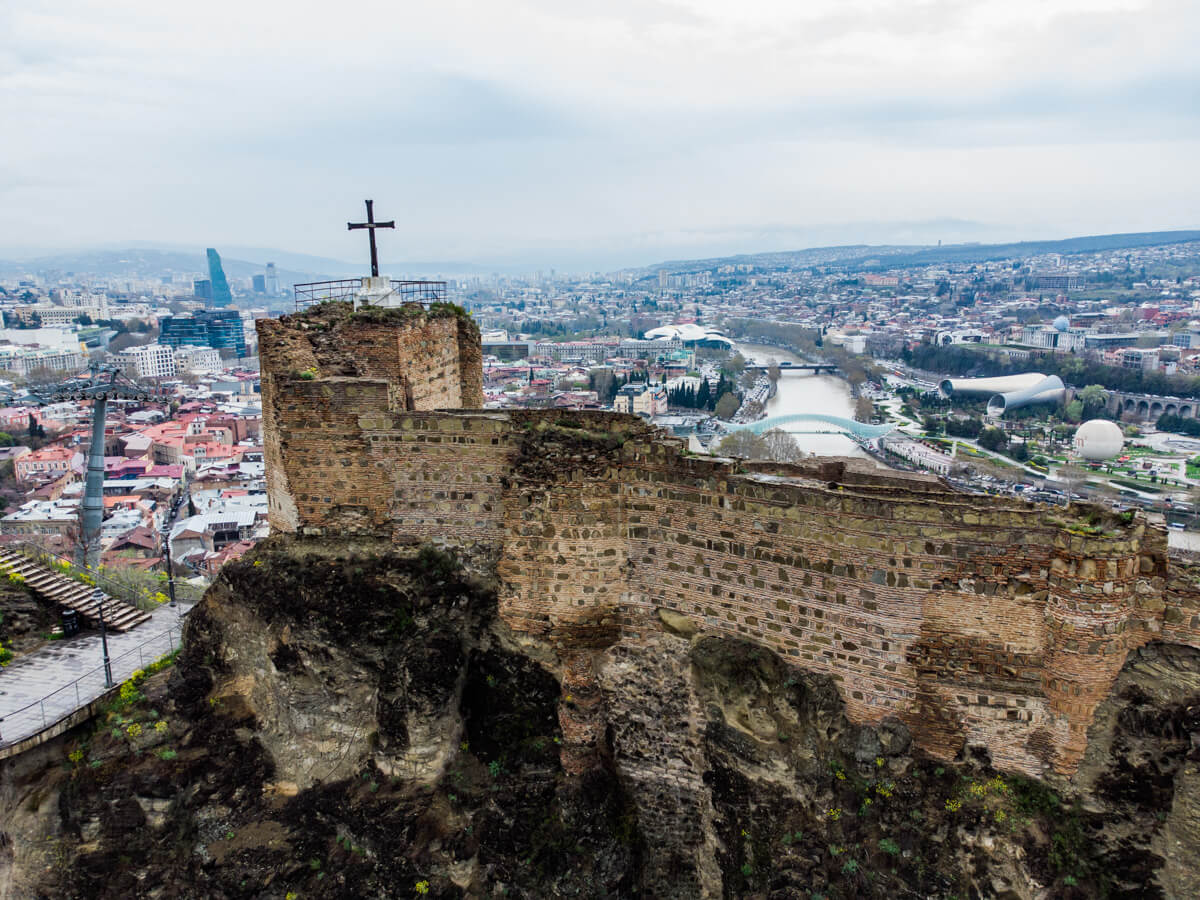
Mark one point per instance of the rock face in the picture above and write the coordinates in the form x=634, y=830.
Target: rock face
x=350, y=719
x=346, y=721
x=24, y=618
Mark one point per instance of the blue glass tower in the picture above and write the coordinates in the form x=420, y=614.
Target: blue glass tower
x=221, y=295
x=221, y=329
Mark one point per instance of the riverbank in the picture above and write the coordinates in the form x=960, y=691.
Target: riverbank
x=798, y=392
x=755, y=400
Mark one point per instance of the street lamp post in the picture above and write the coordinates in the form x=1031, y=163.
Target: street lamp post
x=98, y=599
x=101, y=384
x=166, y=541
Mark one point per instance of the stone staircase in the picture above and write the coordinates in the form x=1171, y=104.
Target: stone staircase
x=72, y=594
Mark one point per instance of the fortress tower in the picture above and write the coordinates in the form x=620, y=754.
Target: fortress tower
x=326, y=369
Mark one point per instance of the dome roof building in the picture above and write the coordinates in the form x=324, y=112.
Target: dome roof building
x=689, y=333
x=1098, y=439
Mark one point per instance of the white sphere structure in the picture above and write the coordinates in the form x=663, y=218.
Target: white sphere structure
x=1099, y=439
x=1062, y=323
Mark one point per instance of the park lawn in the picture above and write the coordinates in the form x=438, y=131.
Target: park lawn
x=999, y=461
x=1140, y=450
x=1147, y=487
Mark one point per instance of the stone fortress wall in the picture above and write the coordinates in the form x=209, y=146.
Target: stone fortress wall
x=328, y=366
x=973, y=620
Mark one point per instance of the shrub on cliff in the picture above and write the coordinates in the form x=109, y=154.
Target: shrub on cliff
x=438, y=310
x=436, y=565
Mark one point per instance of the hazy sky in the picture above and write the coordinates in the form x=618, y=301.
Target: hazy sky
x=555, y=129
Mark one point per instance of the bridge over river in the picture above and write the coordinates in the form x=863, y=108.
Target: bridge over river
x=818, y=368
x=834, y=425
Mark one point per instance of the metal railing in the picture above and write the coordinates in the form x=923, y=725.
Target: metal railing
x=321, y=291
x=113, y=588
x=348, y=288
x=48, y=711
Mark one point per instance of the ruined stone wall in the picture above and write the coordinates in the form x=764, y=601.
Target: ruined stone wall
x=318, y=467
x=988, y=622
x=431, y=358
x=351, y=465
x=974, y=620
x=564, y=535
x=326, y=374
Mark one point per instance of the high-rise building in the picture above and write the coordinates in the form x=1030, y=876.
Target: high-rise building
x=220, y=329
x=178, y=331
x=221, y=295
x=260, y=283
x=148, y=361
x=202, y=288
x=226, y=331
x=272, y=280
x=197, y=359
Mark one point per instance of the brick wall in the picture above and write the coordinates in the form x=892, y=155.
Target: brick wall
x=979, y=620
x=328, y=375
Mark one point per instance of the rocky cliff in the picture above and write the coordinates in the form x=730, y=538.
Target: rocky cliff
x=355, y=719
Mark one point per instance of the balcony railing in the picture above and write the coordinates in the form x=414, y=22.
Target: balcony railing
x=347, y=288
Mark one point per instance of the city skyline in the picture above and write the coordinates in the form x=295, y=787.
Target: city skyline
x=616, y=134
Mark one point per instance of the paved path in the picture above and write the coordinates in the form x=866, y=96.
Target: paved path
x=40, y=688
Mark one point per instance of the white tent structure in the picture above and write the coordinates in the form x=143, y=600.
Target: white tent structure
x=689, y=333
x=1008, y=391
x=986, y=387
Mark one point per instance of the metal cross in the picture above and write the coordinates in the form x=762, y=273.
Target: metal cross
x=371, y=225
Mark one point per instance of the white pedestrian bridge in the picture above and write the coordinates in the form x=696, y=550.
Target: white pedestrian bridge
x=831, y=425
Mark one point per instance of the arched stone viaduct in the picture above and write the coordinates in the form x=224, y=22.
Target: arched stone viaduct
x=1148, y=407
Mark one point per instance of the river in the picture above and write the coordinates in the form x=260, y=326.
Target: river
x=802, y=392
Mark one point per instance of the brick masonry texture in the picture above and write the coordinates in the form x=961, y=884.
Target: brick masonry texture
x=974, y=620
x=327, y=368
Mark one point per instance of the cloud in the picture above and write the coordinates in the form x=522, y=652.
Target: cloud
x=515, y=124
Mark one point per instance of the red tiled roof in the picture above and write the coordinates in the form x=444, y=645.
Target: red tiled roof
x=141, y=537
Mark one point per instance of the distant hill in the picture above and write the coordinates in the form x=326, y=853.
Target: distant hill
x=972, y=253
x=894, y=256
x=814, y=256
x=143, y=262
x=153, y=262
x=149, y=260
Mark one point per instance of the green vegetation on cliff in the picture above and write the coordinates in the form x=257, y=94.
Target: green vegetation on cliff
x=343, y=310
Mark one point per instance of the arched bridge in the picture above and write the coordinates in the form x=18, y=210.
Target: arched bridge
x=849, y=426
x=818, y=368
x=1148, y=407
